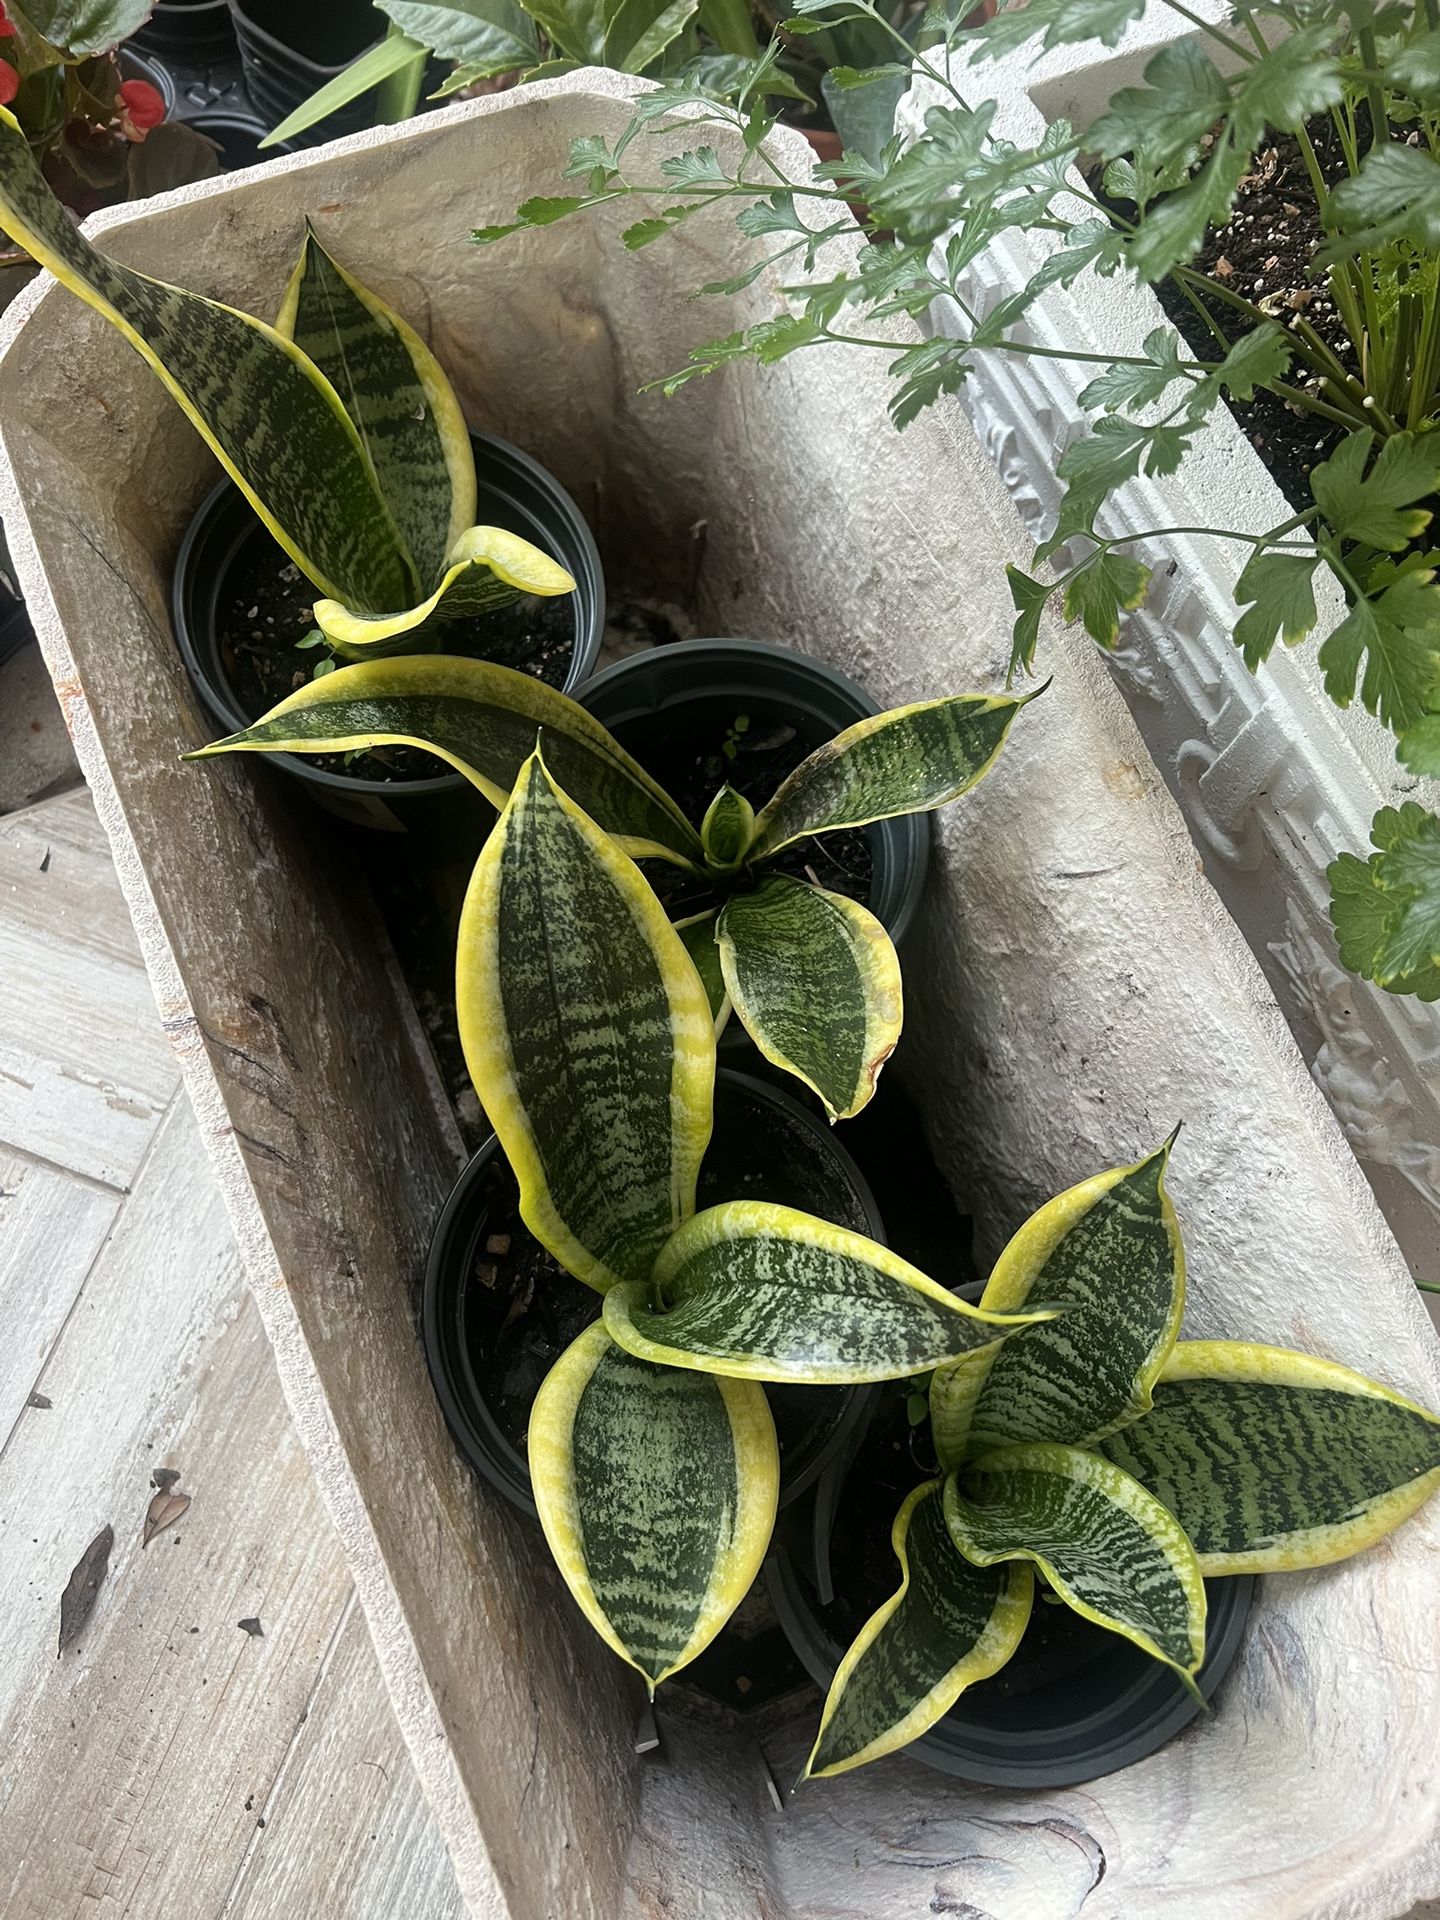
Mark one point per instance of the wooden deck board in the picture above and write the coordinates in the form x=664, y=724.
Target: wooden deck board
x=85, y=1071
x=170, y=1765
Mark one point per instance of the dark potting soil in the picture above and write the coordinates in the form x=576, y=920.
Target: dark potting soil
x=1264, y=252
x=267, y=610
x=530, y=1309
x=893, y=1459
x=754, y=758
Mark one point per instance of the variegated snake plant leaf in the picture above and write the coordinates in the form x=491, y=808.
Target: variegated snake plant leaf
x=337, y=423
x=1120, y=1465
x=591, y=1041
x=811, y=975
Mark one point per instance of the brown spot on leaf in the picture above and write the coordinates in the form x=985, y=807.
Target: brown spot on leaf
x=77, y=1602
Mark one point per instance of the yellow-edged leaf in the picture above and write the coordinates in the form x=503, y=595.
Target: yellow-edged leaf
x=657, y=1493
x=1273, y=1460
x=587, y=1034
x=946, y=1626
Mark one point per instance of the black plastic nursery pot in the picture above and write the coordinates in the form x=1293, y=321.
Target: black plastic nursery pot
x=657, y=701
x=1075, y=1701
x=288, y=51
x=135, y=66
x=789, y=1156
x=192, y=31
x=226, y=541
x=238, y=135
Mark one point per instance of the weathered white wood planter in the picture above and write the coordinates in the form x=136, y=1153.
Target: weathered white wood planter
x=1272, y=779
x=1075, y=988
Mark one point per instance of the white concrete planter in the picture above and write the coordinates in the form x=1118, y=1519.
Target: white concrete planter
x=1272, y=779
x=1075, y=988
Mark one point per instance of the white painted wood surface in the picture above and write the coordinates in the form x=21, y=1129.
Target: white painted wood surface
x=170, y=1765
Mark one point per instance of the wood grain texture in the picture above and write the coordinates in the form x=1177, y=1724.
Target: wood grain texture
x=1074, y=989
x=171, y=1765
x=51, y=1228
x=85, y=1072
x=348, y=1831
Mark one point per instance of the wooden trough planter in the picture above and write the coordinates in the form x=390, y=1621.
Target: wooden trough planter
x=1074, y=986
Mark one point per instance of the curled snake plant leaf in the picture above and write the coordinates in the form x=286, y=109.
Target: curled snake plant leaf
x=815, y=981
x=1273, y=1461
x=277, y=425
x=947, y=1625
x=587, y=1034
x=726, y=829
x=1109, y=1252
x=483, y=720
x=396, y=393
x=759, y=1291
x=657, y=1493
x=488, y=569
x=698, y=934
x=910, y=760
x=1107, y=1547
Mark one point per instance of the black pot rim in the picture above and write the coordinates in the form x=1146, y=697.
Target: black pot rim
x=472, y=1426
x=908, y=836
x=283, y=51
x=153, y=71
x=1140, y=1720
x=223, y=709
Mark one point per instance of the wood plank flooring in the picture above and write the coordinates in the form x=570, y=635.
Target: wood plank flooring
x=170, y=1764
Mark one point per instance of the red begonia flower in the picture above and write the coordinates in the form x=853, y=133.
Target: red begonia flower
x=142, y=105
x=9, y=83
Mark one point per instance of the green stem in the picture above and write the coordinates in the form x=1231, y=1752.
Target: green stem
x=398, y=95
x=1213, y=32
x=1026, y=347
x=1268, y=539
x=1379, y=117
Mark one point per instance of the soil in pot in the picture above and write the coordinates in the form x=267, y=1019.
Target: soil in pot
x=524, y=1309
x=1264, y=252
x=266, y=610
x=753, y=756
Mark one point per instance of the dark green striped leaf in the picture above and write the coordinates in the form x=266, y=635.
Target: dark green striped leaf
x=1109, y=1253
x=910, y=760
x=761, y=1292
x=275, y=422
x=657, y=1493
x=948, y=1625
x=587, y=1033
x=815, y=981
x=483, y=720
x=1109, y=1548
x=1273, y=1460
x=698, y=934
x=726, y=829
x=396, y=394
x=489, y=569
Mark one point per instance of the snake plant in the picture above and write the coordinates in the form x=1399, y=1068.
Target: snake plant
x=813, y=976
x=590, y=1041
x=1119, y=1464
x=337, y=423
